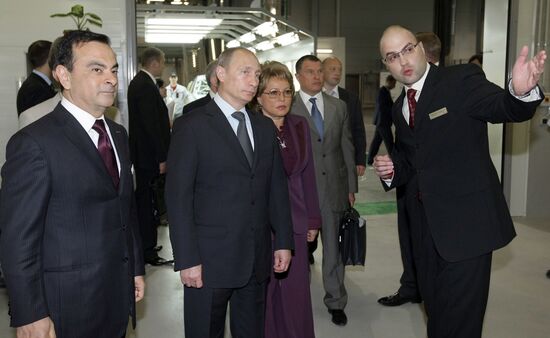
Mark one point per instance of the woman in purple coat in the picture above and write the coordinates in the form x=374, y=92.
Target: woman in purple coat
x=288, y=305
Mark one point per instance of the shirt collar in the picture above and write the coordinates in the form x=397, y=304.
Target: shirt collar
x=305, y=97
x=150, y=75
x=85, y=119
x=225, y=107
x=332, y=92
x=43, y=76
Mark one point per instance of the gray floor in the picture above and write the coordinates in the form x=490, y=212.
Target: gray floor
x=519, y=301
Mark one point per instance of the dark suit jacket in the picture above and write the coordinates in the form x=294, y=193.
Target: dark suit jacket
x=33, y=91
x=149, y=125
x=446, y=159
x=355, y=112
x=197, y=103
x=69, y=246
x=383, y=117
x=221, y=211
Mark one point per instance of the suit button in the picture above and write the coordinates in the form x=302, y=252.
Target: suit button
x=253, y=202
x=324, y=155
x=124, y=227
x=324, y=173
x=318, y=140
x=125, y=260
x=252, y=177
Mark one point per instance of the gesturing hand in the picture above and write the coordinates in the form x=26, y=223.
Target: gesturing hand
x=526, y=73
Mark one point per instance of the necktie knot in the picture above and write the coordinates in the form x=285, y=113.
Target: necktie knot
x=239, y=115
x=313, y=100
x=411, y=93
x=99, y=127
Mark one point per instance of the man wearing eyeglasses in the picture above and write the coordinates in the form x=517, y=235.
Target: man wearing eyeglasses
x=447, y=187
x=336, y=175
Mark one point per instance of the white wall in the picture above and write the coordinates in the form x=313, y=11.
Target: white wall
x=21, y=23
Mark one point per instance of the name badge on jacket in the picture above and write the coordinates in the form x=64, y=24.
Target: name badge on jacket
x=438, y=113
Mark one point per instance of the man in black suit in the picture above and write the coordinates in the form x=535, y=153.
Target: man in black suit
x=447, y=187
x=38, y=86
x=382, y=113
x=227, y=197
x=70, y=245
x=149, y=140
x=212, y=82
x=408, y=290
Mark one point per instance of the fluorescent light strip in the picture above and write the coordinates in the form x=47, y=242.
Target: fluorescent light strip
x=324, y=51
x=173, y=38
x=287, y=39
x=183, y=21
x=265, y=45
x=233, y=44
x=247, y=37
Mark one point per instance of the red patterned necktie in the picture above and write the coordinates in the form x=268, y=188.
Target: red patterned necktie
x=106, y=151
x=412, y=106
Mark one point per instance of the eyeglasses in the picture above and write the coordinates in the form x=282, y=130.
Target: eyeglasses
x=274, y=94
x=394, y=56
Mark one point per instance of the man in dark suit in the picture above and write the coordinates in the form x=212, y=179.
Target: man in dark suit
x=227, y=196
x=382, y=113
x=335, y=173
x=212, y=82
x=149, y=140
x=38, y=86
x=70, y=246
x=408, y=290
x=447, y=187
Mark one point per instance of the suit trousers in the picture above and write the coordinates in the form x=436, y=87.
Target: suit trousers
x=205, y=310
x=408, y=284
x=455, y=293
x=336, y=296
x=145, y=211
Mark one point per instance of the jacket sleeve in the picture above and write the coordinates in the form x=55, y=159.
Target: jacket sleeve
x=279, y=205
x=348, y=150
x=26, y=189
x=181, y=172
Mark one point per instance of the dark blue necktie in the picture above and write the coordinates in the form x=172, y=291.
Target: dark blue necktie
x=316, y=116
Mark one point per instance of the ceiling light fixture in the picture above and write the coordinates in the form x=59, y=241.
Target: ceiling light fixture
x=247, y=37
x=268, y=28
x=178, y=30
x=324, y=51
x=265, y=45
x=287, y=39
x=233, y=44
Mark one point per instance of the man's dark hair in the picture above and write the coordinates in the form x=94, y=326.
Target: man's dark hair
x=160, y=83
x=62, y=48
x=38, y=53
x=390, y=79
x=151, y=54
x=305, y=58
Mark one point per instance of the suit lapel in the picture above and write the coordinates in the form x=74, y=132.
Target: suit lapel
x=221, y=125
x=328, y=114
x=397, y=112
x=425, y=99
x=81, y=140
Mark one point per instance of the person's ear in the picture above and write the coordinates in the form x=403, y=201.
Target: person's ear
x=63, y=76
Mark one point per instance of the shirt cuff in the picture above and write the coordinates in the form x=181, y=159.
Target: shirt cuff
x=531, y=96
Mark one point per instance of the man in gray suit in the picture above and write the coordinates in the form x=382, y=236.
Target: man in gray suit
x=333, y=155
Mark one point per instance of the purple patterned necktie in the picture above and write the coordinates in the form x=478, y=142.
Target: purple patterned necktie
x=106, y=151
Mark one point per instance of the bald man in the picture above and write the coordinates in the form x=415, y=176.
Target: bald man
x=448, y=190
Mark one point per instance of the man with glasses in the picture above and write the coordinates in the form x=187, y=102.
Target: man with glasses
x=336, y=175
x=447, y=187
